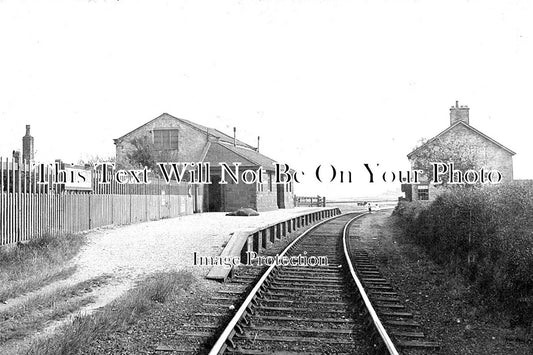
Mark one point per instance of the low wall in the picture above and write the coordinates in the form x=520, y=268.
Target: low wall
x=263, y=237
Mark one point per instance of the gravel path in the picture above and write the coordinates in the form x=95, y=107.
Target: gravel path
x=131, y=251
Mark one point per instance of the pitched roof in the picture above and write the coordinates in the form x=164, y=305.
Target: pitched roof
x=227, y=152
x=215, y=133
x=468, y=127
x=252, y=155
x=212, y=131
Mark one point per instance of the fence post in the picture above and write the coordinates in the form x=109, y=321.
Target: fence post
x=89, y=214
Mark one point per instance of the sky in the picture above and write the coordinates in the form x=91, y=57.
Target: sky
x=339, y=83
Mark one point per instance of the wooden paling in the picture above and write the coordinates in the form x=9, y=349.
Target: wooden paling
x=29, y=209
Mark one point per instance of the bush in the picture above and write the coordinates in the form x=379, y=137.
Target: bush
x=485, y=234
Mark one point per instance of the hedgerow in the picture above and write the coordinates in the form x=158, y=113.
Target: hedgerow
x=485, y=234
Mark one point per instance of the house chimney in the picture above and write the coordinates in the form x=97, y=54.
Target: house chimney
x=27, y=146
x=234, y=136
x=459, y=114
x=258, y=138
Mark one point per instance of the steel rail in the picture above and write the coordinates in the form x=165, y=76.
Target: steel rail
x=220, y=344
x=373, y=315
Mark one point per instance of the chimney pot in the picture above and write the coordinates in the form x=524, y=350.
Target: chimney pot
x=459, y=114
x=234, y=136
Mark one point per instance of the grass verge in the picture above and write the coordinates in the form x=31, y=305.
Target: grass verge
x=33, y=315
x=30, y=266
x=116, y=316
x=448, y=308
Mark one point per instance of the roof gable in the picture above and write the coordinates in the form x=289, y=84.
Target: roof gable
x=469, y=128
x=211, y=131
x=140, y=127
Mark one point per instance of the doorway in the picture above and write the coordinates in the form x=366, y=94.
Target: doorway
x=214, y=195
x=281, y=195
x=196, y=199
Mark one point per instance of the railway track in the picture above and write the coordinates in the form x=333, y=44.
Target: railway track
x=197, y=334
x=310, y=309
x=395, y=317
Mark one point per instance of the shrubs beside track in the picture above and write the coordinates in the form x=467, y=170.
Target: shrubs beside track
x=484, y=234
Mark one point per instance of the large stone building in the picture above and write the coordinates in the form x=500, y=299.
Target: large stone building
x=462, y=144
x=177, y=140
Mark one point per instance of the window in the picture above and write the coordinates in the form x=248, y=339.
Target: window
x=262, y=186
x=166, y=139
x=270, y=177
x=423, y=192
x=288, y=187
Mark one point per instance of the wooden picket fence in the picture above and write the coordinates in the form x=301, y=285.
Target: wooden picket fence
x=29, y=209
